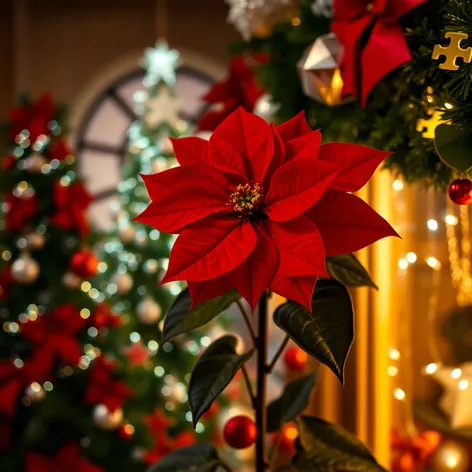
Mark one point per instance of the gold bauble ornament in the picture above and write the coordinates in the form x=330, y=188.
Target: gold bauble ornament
x=34, y=163
x=148, y=311
x=34, y=240
x=451, y=456
x=127, y=233
x=25, y=270
x=106, y=419
x=71, y=280
x=35, y=392
x=123, y=282
x=319, y=71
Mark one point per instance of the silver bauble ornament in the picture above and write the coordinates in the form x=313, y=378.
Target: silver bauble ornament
x=123, y=282
x=265, y=108
x=34, y=240
x=25, y=270
x=127, y=233
x=71, y=280
x=148, y=311
x=35, y=392
x=34, y=163
x=106, y=419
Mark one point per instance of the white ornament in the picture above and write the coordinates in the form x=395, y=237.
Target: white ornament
x=71, y=280
x=34, y=240
x=148, y=311
x=34, y=163
x=123, y=282
x=25, y=270
x=162, y=108
x=323, y=8
x=126, y=233
x=35, y=392
x=265, y=108
x=160, y=63
x=106, y=419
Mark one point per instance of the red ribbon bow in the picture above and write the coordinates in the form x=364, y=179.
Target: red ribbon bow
x=54, y=334
x=373, y=40
x=71, y=203
x=103, y=387
x=20, y=210
x=34, y=117
x=240, y=88
x=66, y=459
x=413, y=454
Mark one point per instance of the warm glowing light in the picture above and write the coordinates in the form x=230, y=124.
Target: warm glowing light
x=451, y=462
x=431, y=368
x=463, y=385
x=403, y=264
x=392, y=371
x=451, y=219
x=394, y=354
x=398, y=185
x=449, y=106
x=399, y=394
x=456, y=373
x=86, y=286
x=411, y=257
x=432, y=225
x=296, y=21
x=291, y=432
x=433, y=263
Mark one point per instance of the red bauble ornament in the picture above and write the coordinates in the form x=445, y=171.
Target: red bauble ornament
x=295, y=359
x=240, y=432
x=84, y=263
x=460, y=191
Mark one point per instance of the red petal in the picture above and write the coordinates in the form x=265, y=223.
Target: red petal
x=191, y=151
x=297, y=186
x=346, y=223
x=249, y=145
x=277, y=159
x=300, y=247
x=307, y=145
x=298, y=289
x=395, y=10
x=255, y=274
x=295, y=127
x=202, y=291
x=9, y=393
x=209, y=249
x=358, y=164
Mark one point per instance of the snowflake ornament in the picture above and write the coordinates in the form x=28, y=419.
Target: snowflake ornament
x=160, y=63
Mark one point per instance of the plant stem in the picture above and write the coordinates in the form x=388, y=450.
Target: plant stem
x=279, y=353
x=247, y=319
x=260, y=401
x=248, y=385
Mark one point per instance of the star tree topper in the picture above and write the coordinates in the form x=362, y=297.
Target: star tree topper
x=160, y=63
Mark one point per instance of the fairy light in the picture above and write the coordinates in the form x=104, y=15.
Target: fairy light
x=451, y=219
x=432, y=225
x=392, y=371
x=403, y=264
x=399, y=394
x=456, y=373
x=463, y=385
x=431, y=368
x=433, y=263
x=398, y=185
x=394, y=354
x=411, y=257
x=296, y=21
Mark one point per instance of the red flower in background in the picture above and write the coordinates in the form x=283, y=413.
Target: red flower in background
x=59, y=149
x=103, y=387
x=20, y=211
x=260, y=206
x=164, y=445
x=71, y=203
x=103, y=317
x=240, y=88
x=34, y=118
x=158, y=423
x=6, y=279
x=8, y=162
x=373, y=40
x=66, y=459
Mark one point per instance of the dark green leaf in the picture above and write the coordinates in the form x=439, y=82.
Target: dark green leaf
x=180, y=319
x=454, y=147
x=196, y=458
x=328, y=332
x=213, y=372
x=330, y=448
x=291, y=404
x=346, y=268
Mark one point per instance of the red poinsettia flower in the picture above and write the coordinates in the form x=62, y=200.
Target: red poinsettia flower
x=66, y=459
x=6, y=279
x=8, y=162
x=259, y=206
x=20, y=211
x=164, y=445
x=59, y=149
x=103, y=317
x=373, y=40
x=71, y=203
x=240, y=88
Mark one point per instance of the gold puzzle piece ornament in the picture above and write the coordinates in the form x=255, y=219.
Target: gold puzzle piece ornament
x=453, y=51
x=427, y=126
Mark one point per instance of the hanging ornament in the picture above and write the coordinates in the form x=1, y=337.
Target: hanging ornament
x=453, y=51
x=126, y=232
x=148, y=311
x=123, y=282
x=240, y=432
x=71, y=280
x=323, y=8
x=295, y=358
x=265, y=108
x=25, y=270
x=34, y=240
x=319, y=71
x=84, y=263
x=162, y=108
x=34, y=163
x=125, y=431
x=451, y=456
x=460, y=191
x=35, y=392
x=106, y=419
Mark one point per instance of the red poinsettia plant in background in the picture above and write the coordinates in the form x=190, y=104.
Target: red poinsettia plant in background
x=261, y=208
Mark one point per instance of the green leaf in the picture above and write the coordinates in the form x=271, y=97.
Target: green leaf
x=196, y=458
x=180, y=319
x=291, y=404
x=213, y=372
x=328, y=332
x=454, y=147
x=330, y=448
x=346, y=268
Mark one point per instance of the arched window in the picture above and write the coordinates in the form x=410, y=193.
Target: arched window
x=101, y=139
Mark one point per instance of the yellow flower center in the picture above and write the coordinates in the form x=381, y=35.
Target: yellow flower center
x=247, y=198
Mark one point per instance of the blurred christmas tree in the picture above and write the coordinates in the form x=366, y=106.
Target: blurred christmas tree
x=135, y=257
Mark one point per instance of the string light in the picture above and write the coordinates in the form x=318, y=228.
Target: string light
x=431, y=368
x=456, y=373
x=392, y=371
x=403, y=264
x=433, y=263
x=463, y=385
x=432, y=225
x=411, y=257
x=398, y=185
x=394, y=354
x=399, y=394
